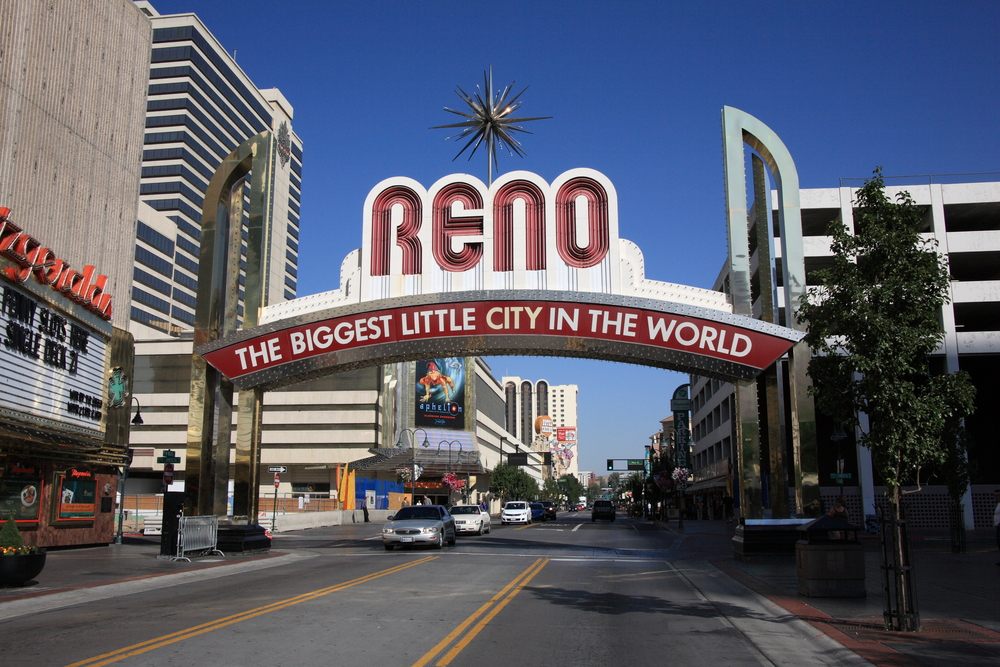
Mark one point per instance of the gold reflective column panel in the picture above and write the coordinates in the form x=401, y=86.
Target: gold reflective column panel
x=741, y=130
x=211, y=401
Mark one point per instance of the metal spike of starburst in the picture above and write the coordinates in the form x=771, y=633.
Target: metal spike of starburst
x=490, y=120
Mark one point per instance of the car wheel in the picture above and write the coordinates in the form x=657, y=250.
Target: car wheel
x=480, y=531
x=593, y=520
x=440, y=542
x=388, y=547
x=451, y=542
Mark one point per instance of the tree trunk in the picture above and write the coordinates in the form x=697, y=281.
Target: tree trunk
x=900, y=603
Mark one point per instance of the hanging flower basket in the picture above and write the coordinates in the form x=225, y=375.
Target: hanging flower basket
x=681, y=477
x=452, y=481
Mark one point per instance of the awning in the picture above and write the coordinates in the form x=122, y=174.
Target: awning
x=720, y=482
x=434, y=462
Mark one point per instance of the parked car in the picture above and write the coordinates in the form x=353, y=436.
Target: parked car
x=419, y=524
x=550, y=509
x=515, y=511
x=471, y=519
x=603, y=509
x=537, y=511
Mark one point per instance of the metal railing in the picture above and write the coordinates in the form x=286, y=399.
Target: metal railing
x=197, y=534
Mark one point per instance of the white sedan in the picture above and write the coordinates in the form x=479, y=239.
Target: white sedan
x=470, y=519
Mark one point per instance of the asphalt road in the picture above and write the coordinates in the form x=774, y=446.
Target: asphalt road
x=565, y=592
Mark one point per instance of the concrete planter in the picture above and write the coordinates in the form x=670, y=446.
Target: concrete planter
x=19, y=570
x=831, y=570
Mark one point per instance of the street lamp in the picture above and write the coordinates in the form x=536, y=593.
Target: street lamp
x=136, y=421
x=413, y=455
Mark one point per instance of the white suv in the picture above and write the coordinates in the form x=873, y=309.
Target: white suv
x=516, y=511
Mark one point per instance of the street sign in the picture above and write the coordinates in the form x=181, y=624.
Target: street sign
x=277, y=481
x=635, y=464
x=517, y=459
x=168, y=474
x=168, y=457
x=277, y=469
x=840, y=475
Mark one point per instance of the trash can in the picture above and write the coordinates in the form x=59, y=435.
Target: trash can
x=829, y=559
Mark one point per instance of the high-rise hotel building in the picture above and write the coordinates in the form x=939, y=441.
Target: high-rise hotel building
x=528, y=400
x=200, y=106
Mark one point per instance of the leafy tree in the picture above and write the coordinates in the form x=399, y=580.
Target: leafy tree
x=510, y=482
x=571, y=487
x=551, y=490
x=871, y=326
x=593, y=491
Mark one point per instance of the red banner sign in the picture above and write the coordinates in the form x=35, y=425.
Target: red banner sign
x=596, y=322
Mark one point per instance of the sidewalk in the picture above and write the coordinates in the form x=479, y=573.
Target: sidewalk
x=958, y=597
x=136, y=559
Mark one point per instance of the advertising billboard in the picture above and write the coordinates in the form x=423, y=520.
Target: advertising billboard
x=440, y=396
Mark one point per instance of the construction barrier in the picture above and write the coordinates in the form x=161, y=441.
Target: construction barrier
x=197, y=535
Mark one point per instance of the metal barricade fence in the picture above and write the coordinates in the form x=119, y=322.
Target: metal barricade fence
x=197, y=534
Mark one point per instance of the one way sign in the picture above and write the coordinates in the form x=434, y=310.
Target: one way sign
x=277, y=469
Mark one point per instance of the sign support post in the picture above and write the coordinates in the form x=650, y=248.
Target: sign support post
x=274, y=509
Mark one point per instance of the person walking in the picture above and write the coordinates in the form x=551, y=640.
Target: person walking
x=364, y=509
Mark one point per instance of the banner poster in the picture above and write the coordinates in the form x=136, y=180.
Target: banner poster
x=440, y=393
x=77, y=491
x=20, y=492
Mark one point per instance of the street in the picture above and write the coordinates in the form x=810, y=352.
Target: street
x=565, y=592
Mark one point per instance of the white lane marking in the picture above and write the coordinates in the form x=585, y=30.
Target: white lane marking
x=576, y=527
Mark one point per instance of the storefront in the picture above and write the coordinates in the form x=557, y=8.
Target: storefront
x=59, y=462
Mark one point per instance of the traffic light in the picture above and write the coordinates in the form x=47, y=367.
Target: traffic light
x=611, y=464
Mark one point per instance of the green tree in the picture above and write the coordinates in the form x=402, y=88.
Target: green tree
x=510, y=483
x=593, y=491
x=571, y=487
x=551, y=490
x=871, y=326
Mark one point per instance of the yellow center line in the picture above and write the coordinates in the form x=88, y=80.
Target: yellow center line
x=497, y=602
x=219, y=623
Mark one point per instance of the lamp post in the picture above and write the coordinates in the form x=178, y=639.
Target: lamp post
x=136, y=421
x=413, y=456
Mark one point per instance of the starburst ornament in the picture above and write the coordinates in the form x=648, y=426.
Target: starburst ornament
x=490, y=120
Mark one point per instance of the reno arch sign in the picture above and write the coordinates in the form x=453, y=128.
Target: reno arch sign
x=523, y=267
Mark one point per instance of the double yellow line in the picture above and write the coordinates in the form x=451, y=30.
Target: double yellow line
x=219, y=623
x=488, y=611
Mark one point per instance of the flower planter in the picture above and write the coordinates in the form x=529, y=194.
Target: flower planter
x=19, y=570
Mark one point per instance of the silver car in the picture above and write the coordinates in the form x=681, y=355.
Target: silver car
x=419, y=524
x=471, y=519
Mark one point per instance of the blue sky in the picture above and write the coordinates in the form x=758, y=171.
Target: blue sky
x=636, y=90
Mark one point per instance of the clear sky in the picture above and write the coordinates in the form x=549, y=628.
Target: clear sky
x=636, y=90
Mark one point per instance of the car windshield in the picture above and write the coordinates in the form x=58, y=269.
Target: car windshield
x=464, y=509
x=515, y=506
x=536, y=506
x=407, y=513
x=602, y=503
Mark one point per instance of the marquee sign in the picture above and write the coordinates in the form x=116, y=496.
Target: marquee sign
x=521, y=267
x=54, y=334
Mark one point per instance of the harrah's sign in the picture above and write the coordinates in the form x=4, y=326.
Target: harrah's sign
x=31, y=257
